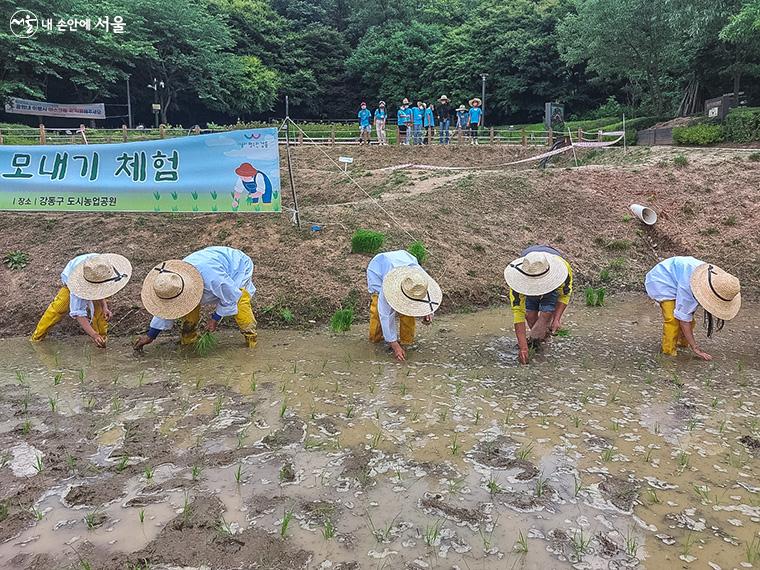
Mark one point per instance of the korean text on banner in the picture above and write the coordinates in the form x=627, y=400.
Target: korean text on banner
x=44, y=108
x=236, y=171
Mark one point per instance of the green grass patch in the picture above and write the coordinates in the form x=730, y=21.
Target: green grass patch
x=342, y=320
x=680, y=161
x=367, y=241
x=418, y=250
x=16, y=260
x=754, y=157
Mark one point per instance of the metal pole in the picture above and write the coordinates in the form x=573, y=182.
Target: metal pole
x=483, y=98
x=129, y=104
x=297, y=214
x=625, y=147
x=155, y=100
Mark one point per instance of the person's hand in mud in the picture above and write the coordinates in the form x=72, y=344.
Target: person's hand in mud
x=140, y=342
x=427, y=319
x=398, y=351
x=701, y=354
x=212, y=325
x=99, y=340
x=96, y=337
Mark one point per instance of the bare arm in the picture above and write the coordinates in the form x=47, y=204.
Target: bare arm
x=84, y=322
x=689, y=336
x=559, y=310
x=522, y=342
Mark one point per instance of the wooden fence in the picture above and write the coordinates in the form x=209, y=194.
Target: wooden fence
x=329, y=134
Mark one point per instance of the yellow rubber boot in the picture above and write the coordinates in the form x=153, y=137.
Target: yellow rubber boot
x=57, y=309
x=671, y=329
x=245, y=319
x=189, y=330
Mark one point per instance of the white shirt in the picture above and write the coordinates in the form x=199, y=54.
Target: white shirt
x=225, y=272
x=377, y=269
x=77, y=307
x=670, y=280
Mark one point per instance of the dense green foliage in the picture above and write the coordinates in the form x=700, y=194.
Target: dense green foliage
x=698, y=135
x=743, y=125
x=220, y=60
x=367, y=241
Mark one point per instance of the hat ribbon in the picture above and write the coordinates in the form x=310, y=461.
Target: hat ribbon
x=517, y=267
x=428, y=300
x=710, y=273
x=163, y=269
x=119, y=276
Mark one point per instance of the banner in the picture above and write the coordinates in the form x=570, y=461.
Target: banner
x=235, y=171
x=43, y=108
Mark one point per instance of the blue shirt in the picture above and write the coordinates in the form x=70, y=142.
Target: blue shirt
x=380, y=114
x=475, y=113
x=417, y=115
x=429, y=119
x=364, y=117
x=404, y=116
x=462, y=118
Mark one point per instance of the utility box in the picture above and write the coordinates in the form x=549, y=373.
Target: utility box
x=719, y=107
x=554, y=116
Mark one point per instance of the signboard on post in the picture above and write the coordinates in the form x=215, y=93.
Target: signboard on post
x=346, y=160
x=236, y=171
x=554, y=116
x=45, y=109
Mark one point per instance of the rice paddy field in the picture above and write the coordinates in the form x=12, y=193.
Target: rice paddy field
x=316, y=450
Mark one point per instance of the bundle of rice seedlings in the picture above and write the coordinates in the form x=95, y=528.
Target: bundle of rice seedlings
x=366, y=241
x=206, y=343
x=418, y=250
x=342, y=320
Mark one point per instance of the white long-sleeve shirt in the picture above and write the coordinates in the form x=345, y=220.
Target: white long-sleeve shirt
x=225, y=272
x=670, y=280
x=78, y=307
x=378, y=268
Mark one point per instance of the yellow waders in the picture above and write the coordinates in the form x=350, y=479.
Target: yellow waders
x=59, y=308
x=245, y=320
x=672, y=336
x=407, y=325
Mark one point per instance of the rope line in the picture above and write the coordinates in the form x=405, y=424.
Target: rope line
x=351, y=178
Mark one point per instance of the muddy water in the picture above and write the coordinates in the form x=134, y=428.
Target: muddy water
x=601, y=454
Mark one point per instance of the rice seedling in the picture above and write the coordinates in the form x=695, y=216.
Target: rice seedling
x=239, y=474
x=195, y=472
x=3, y=511
x=93, y=519
x=578, y=487
x=477, y=416
x=53, y=402
x=206, y=343
x=487, y=536
x=283, y=408
x=39, y=466
x=414, y=416
x=89, y=405
x=458, y=388
x=349, y=411
x=702, y=492
x=714, y=403
x=576, y=420
x=241, y=435
x=382, y=534
x=493, y=487
x=594, y=296
x=687, y=544
x=218, y=404
x=186, y=508
x=342, y=320
x=507, y=421
x=652, y=496
x=615, y=426
x=148, y=472
x=366, y=241
x=71, y=462
x=5, y=458
x=683, y=459
x=613, y=397
x=691, y=424
x=524, y=451
x=116, y=405
x=37, y=514
x=376, y=440
x=57, y=378
x=286, y=315
x=286, y=518
x=252, y=384
x=541, y=486
x=580, y=544
x=328, y=529
x=455, y=445
x=631, y=543
x=418, y=250
x=432, y=533
x=26, y=427
x=122, y=464
x=521, y=546
x=443, y=414
x=141, y=516
x=752, y=550
x=648, y=456
x=608, y=454
x=81, y=375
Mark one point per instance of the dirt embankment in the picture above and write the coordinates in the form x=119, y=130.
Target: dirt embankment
x=472, y=222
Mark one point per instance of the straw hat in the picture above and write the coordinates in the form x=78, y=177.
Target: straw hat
x=718, y=292
x=537, y=273
x=461, y=108
x=412, y=292
x=100, y=276
x=476, y=100
x=381, y=104
x=443, y=98
x=172, y=289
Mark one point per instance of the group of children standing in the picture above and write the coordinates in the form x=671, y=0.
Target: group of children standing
x=540, y=284
x=417, y=124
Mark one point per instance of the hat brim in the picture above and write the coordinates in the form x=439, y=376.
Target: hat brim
x=84, y=289
x=179, y=306
x=534, y=286
x=403, y=304
x=725, y=310
x=476, y=100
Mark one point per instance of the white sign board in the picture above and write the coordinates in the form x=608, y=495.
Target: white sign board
x=345, y=159
x=43, y=108
x=713, y=112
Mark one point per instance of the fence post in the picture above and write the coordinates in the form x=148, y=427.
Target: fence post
x=550, y=138
x=490, y=136
x=599, y=135
x=162, y=130
x=332, y=134
x=42, y=134
x=124, y=133
x=197, y=130
x=524, y=140
x=580, y=134
x=1, y=136
x=300, y=137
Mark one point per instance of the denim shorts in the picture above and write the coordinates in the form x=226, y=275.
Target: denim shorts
x=543, y=303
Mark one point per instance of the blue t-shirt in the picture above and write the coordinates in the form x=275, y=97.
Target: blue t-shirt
x=429, y=118
x=404, y=115
x=364, y=117
x=417, y=115
x=475, y=113
x=380, y=114
x=462, y=118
